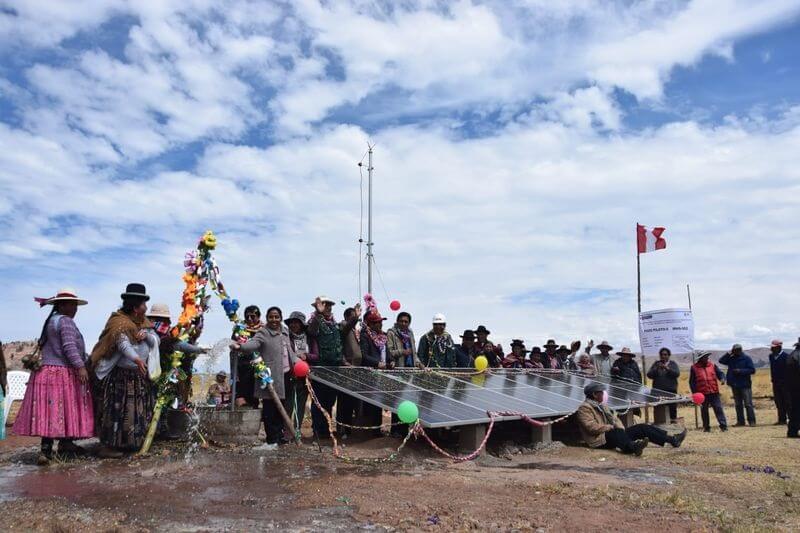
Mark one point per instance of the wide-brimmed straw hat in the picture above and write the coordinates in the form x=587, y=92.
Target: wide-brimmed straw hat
x=701, y=354
x=66, y=294
x=605, y=344
x=159, y=311
x=324, y=299
x=135, y=290
x=626, y=351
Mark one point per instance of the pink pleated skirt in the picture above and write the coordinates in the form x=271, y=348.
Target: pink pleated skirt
x=56, y=405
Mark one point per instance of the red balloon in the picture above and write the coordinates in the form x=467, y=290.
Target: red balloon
x=301, y=369
x=395, y=305
x=698, y=398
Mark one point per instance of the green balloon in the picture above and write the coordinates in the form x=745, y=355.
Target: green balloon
x=407, y=412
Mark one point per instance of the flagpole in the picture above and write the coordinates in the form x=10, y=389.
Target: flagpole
x=639, y=307
x=638, y=276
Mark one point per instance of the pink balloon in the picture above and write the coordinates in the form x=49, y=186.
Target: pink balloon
x=698, y=398
x=395, y=305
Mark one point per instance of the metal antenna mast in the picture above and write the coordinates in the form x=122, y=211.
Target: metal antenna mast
x=369, y=220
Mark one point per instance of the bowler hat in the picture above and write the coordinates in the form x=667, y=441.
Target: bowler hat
x=563, y=349
x=550, y=344
x=135, y=290
x=482, y=329
x=468, y=334
x=520, y=343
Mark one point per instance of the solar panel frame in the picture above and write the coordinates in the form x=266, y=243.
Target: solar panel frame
x=455, y=397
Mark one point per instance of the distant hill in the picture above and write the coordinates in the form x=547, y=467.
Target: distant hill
x=15, y=351
x=760, y=357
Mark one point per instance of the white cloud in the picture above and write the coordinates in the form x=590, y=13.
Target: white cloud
x=528, y=228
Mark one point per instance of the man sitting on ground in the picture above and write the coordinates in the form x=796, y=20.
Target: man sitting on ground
x=601, y=427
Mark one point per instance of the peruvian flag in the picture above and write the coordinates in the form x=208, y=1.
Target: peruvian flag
x=649, y=239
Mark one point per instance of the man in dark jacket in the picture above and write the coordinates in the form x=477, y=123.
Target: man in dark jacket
x=793, y=383
x=486, y=348
x=626, y=367
x=436, y=348
x=780, y=391
x=466, y=351
x=740, y=369
x=327, y=335
x=665, y=374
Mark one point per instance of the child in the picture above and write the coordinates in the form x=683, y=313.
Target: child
x=219, y=393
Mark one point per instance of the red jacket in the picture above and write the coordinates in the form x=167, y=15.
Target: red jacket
x=705, y=379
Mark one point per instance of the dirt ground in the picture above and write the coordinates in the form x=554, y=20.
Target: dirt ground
x=709, y=484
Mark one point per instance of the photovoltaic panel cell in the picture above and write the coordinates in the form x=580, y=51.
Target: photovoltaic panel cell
x=452, y=397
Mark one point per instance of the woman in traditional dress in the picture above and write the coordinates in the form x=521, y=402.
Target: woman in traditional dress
x=58, y=399
x=120, y=363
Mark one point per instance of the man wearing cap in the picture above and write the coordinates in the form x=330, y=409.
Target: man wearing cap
x=740, y=369
x=375, y=355
x=550, y=359
x=602, y=361
x=322, y=327
x=466, y=351
x=601, y=427
x=705, y=377
x=485, y=347
x=780, y=391
x=793, y=383
x=436, y=348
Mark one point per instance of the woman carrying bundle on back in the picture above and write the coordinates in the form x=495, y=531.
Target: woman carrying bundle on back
x=126, y=395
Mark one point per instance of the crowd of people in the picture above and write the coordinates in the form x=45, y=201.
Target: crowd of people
x=109, y=393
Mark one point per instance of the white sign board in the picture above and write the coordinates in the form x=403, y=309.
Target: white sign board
x=666, y=328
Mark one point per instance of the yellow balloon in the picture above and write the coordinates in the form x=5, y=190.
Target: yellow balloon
x=481, y=363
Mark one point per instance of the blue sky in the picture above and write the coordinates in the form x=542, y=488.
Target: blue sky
x=517, y=145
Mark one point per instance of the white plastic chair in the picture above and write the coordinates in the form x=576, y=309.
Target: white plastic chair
x=17, y=383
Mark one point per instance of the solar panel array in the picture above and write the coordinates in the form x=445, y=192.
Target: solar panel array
x=448, y=398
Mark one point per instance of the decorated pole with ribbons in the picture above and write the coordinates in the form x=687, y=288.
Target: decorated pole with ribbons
x=201, y=281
